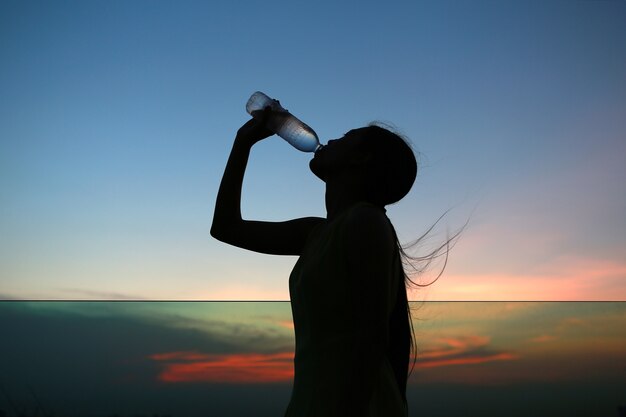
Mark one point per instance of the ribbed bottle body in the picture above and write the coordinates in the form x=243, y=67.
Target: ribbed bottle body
x=283, y=123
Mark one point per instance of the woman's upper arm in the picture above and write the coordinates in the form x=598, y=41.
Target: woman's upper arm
x=275, y=238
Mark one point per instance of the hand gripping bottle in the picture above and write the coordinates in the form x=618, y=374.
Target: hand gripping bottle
x=283, y=123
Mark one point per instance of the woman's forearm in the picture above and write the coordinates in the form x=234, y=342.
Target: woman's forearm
x=228, y=203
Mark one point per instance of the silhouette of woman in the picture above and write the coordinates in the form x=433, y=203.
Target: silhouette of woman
x=348, y=298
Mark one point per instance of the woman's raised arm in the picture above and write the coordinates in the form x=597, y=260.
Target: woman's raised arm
x=277, y=238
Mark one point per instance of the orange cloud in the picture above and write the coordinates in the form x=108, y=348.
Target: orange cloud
x=184, y=366
x=468, y=350
x=468, y=360
x=286, y=323
x=225, y=368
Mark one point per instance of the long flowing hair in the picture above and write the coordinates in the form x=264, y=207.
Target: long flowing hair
x=403, y=345
x=391, y=175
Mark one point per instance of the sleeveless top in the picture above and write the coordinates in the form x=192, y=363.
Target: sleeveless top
x=324, y=313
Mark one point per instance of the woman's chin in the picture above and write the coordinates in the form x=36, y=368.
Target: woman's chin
x=316, y=168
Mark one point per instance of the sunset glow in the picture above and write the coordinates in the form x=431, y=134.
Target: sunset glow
x=563, y=279
x=228, y=368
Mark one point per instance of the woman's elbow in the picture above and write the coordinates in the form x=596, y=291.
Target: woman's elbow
x=218, y=232
x=226, y=233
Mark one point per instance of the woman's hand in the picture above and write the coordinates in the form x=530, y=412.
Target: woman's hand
x=254, y=130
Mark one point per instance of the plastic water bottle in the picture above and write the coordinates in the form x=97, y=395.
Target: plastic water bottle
x=283, y=123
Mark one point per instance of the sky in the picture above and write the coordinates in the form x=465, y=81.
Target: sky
x=188, y=359
x=116, y=120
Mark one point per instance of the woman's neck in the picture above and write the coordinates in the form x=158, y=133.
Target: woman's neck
x=341, y=195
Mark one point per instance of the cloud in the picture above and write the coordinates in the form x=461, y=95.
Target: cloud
x=80, y=356
x=193, y=366
x=468, y=350
x=225, y=368
x=7, y=297
x=101, y=295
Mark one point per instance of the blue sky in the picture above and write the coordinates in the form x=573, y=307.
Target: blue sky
x=116, y=120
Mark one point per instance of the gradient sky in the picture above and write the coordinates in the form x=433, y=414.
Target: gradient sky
x=116, y=119
x=236, y=358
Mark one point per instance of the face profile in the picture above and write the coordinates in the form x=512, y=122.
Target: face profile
x=338, y=155
x=371, y=158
